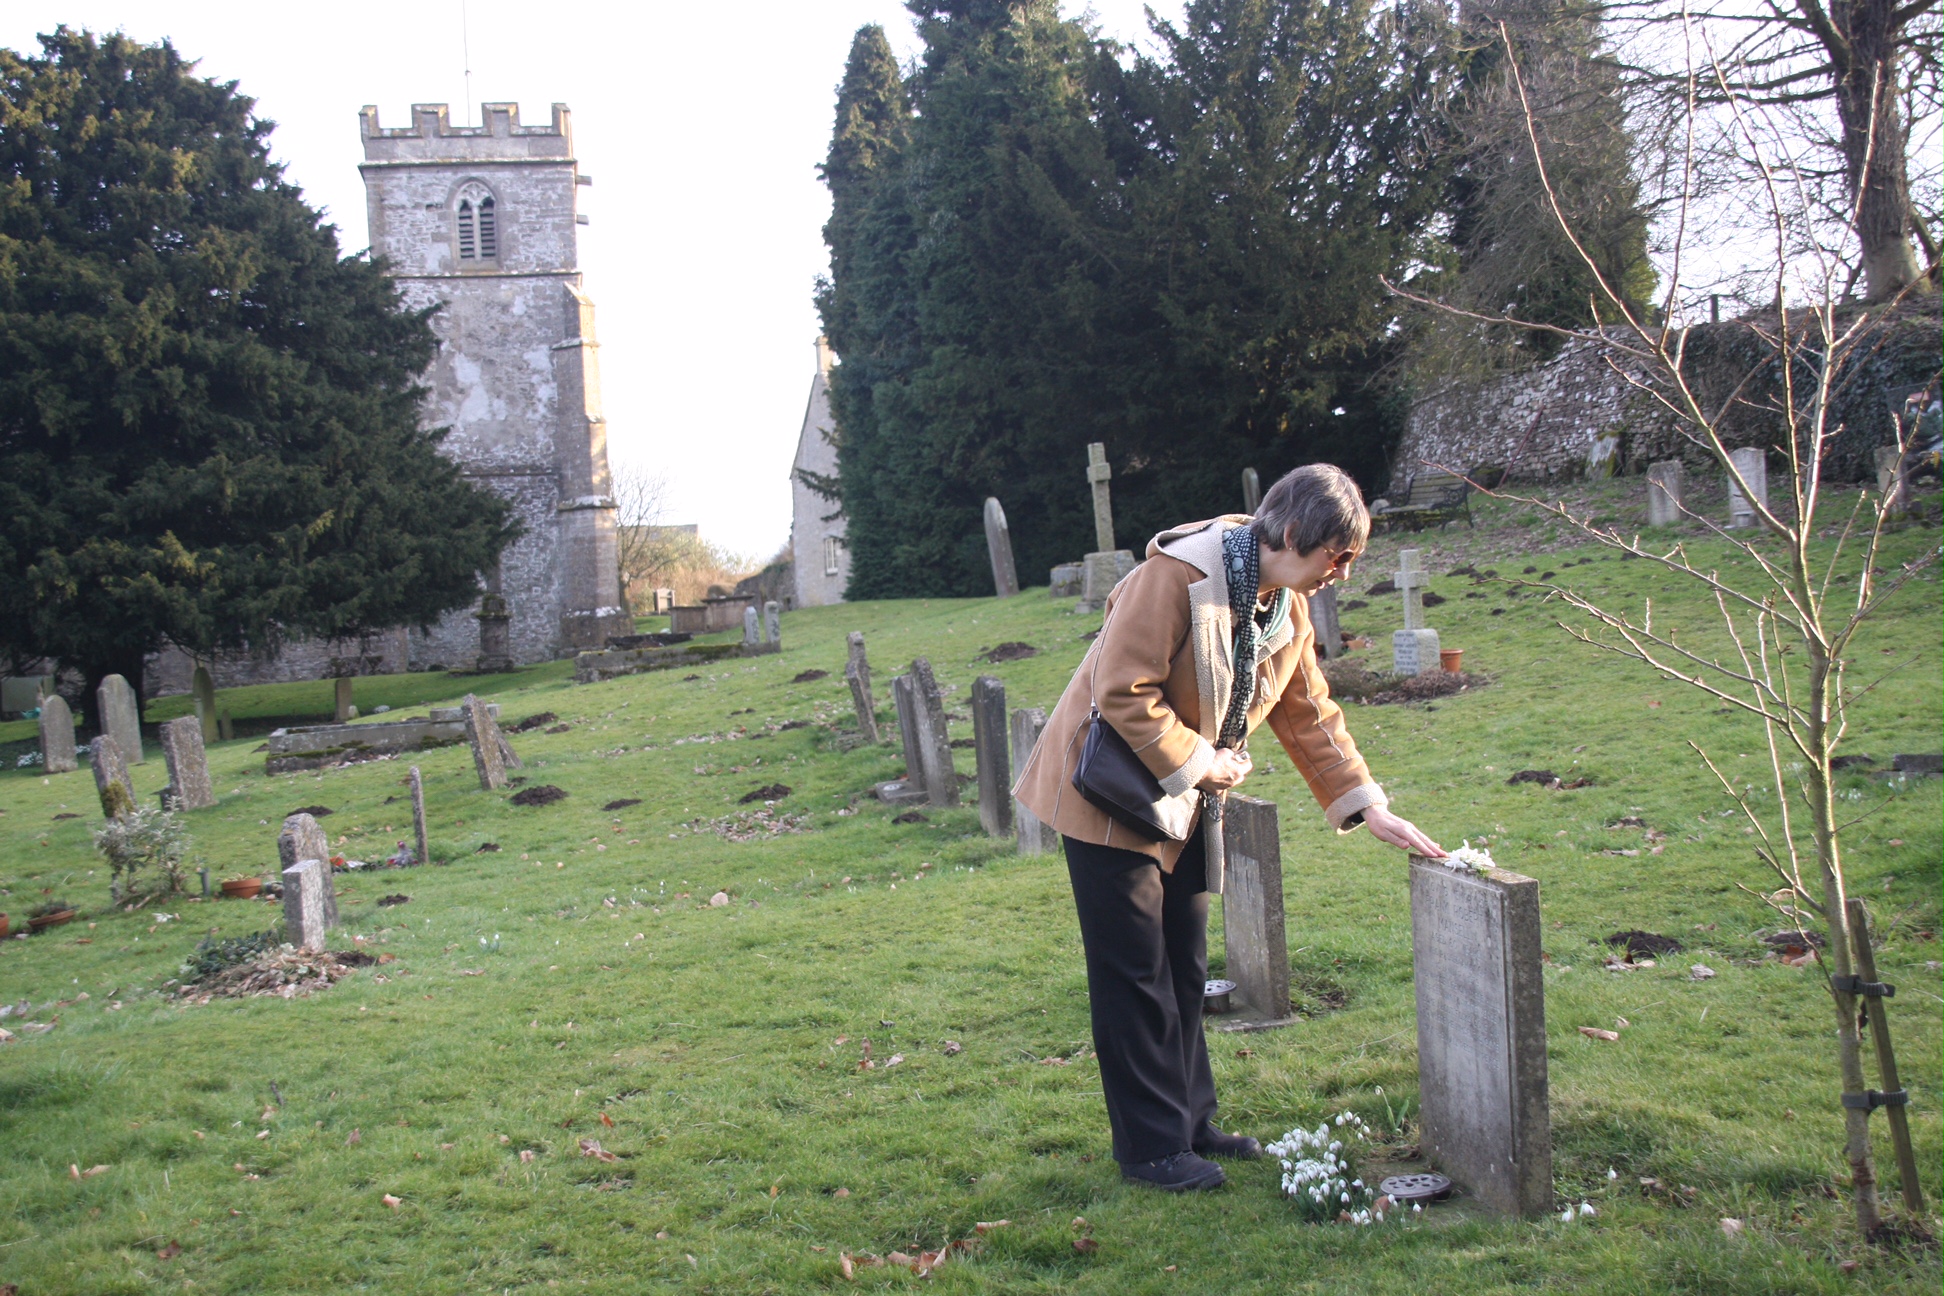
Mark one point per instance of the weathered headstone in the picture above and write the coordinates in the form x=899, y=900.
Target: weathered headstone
x=1253, y=932
x=773, y=623
x=1890, y=481
x=225, y=731
x=1066, y=580
x=1323, y=619
x=752, y=626
x=1098, y=475
x=508, y=757
x=303, y=838
x=1752, y=464
x=418, y=818
x=111, y=778
x=1414, y=649
x=934, y=743
x=343, y=707
x=661, y=601
x=121, y=717
x=1251, y=491
x=1481, y=1005
x=994, y=760
x=203, y=690
x=857, y=674
x=495, y=634
x=182, y=749
x=1410, y=583
x=1099, y=574
x=482, y=732
x=1035, y=838
x=1005, y=577
x=910, y=788
x=56, y=735
x=306, y=886
x=1666, y=487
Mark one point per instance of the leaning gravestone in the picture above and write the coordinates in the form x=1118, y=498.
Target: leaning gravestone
x=1752, y=464
x=1666, y=485
x=484, y=736
x=1253, y=932
x=857, y=674
x=994, y=761
x=121, y=717
x=306, y=886
x=204, y=690
x=111, y=778
x=56, y=735
x=1481, y=1004
x=1035, y=838
x=182, y=749
x=1414, y=649
x=344, y=703
x=934, y=743
x=1323, y=620
x=910, y=789
x=418, y=818
x=303, y=838
x=1005, y=577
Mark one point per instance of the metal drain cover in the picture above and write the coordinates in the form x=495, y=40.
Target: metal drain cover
x=1416, y=1187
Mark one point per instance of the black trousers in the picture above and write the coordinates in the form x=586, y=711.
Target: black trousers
x=1146, y=937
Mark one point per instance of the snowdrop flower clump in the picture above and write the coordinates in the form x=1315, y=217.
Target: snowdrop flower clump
x=1469, y=859
x=1320, y=1175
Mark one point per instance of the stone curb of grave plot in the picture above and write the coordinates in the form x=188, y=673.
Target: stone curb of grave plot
x=309, y=747
x=612, y=663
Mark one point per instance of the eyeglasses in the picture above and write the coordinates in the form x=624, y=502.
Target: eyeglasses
x=1341, y=563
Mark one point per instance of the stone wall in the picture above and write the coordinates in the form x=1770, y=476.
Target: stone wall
x=168, y=672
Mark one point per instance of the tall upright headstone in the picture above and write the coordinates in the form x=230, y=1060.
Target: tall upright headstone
x=1666, y=487
x=773, y=623
x=857, y=674
x=306, y=885
x=203, y=689
x=56, y=735
x=1253, y=931
x=1752, y=464
x=1484, y=1117
x=418, y=818
x=495, y=634
x=752, y=627
x=343, y=698
x=1098, y=475
x=182, y=749
x=111, y=778
x=904, y=698
x=1005, y=577
x=225, y=730
x=934, y=743
x=1035, y=838
x=1251, y=491
x=482, y=732
x=1414, y=649
x=303, y=838
x=1323, y=620
x=989, y=743
x=121, y=717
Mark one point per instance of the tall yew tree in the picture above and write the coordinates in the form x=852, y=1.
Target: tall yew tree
x=208, y=417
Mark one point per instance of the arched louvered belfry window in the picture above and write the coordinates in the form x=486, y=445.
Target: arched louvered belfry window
x=478, y=219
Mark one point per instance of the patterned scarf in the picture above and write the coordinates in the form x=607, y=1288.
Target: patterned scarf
x=1242, y=555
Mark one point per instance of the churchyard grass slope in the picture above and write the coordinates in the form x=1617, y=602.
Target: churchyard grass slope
x=579, y=976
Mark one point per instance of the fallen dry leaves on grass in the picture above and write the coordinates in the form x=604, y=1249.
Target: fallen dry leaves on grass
x=1595, y=1032
x=592, y=1148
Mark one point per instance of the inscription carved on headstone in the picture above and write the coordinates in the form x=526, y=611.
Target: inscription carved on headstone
x=302, y=838
x=1484, y=1118
x=306, y=884
x=1414, y=649
x=182, y=749
x=1005, y=577
x=1035, y=838
x=934, y=743
x=989, y=743
x=1251, y=491
x=857, y=674
x=1253, y=931
x=482, y=732
x=418, y=818
x=1752, y=464
x=203, y=691
x=1666, y=487
x=121, y=717
x=343, y=699
x=111, y=778
x=1323, y=620
x=56, y=735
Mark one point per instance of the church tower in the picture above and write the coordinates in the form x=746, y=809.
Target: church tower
x=480, y=222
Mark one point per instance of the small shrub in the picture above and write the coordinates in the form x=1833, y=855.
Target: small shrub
x=147, y=852
x=212, y=956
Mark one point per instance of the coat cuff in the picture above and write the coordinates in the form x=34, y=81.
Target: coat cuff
x=1185, y=778
x=1346, y=812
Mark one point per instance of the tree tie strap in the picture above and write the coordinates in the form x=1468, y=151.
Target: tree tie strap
x=1856, y=985
x=1871, y=1099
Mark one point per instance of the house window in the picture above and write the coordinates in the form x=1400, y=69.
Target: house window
x=478, y=224
x=833, y=551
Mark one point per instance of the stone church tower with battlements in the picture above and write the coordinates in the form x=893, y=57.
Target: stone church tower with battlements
x=479, y=221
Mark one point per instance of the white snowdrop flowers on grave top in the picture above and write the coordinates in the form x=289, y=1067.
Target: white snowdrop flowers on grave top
x=1318, y=1173
x=1469, y=859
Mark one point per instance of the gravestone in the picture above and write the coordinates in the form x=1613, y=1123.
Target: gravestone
x=1666, y=487
x=857, y=674
x=482, y=732
x=1005, y=577
x=225, y=730
x=661, y=601
x=994, y=760
x=752, y=627
x=773, y=623
x=495, y=634
x=1251, y=491
x=911, y=788
x=182, y=750
x=121, y=717
x=1066, y=580
x=203, y=689
x=1481, y=1005
x=1890, y=481
x=343, y=707
x=111, y=778
x=306, y=888
x=56, y=735
x=508, y=757
x=934, y=743
x=1102, y=569
x=1414, y=649
x=1098, y=475
x=418, y=818
x=303, y=838
x=1323, y=619
x=1035, y=838
x=1752, y=464
x=1253, y=932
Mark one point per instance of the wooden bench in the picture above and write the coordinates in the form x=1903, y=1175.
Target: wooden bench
x=1429, y=497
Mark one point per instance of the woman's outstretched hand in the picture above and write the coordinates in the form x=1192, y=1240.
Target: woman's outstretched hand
x=1401, y=833
x=1229, y=769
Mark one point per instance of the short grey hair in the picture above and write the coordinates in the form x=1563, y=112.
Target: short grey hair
x=1315, y=505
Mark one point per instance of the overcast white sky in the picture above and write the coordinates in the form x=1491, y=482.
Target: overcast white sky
x=702, y=125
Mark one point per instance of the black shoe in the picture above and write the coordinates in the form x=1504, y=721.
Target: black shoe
x=1236, y=1147
x=1182, y=1172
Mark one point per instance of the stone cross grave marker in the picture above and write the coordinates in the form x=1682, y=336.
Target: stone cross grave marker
x=994, y=760
x=483, y=733
x=773, y=623
x=1035, y=838
x=182, y=750
x=56, y=735
x=343, y=707
x=305, y=886
x=1251, y=491
x=934, y=743
x=121, y=717
x=752, y=626
x=1323, y=619
x=204, y=690
x=1005, y=577
x=1098, y=475
x=303, y=838
x=1253, y=932
x=1481, y=1009
x=857, y=674
x=1666, y=485
x=1414, y=649
x=1752, y=464
x=111, y=778
x=418, y=817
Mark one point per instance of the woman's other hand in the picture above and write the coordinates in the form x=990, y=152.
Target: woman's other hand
x=1229, y=769
x=1401, y=833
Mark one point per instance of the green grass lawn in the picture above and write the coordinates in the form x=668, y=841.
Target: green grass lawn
x=578, y=976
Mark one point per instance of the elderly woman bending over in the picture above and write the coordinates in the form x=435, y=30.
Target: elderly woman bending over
x=1201, y=643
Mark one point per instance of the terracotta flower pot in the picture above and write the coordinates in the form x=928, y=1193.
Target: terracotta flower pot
x=1448, y=658
x=50, y=920
x=242, y=888
x=4, y=929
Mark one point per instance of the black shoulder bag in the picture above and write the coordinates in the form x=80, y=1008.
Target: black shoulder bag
x=1112, y=777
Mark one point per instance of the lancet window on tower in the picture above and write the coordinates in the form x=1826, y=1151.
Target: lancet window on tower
x=478, y=224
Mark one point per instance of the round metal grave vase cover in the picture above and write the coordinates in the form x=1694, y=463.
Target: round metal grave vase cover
x=1215, y=996
x=1415, y=1187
